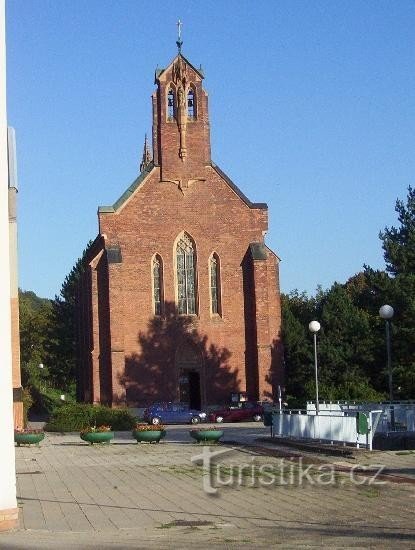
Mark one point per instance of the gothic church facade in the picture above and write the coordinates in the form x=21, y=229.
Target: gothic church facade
x=179, y=295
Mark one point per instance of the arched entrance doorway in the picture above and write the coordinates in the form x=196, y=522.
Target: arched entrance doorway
x=189, y=369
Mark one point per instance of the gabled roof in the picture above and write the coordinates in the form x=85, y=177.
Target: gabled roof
x=258, y=251
x=136, y=184
x=128, y=192
x=159, y=72
x=235, y=188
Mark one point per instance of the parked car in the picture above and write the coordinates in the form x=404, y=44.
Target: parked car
x=235, y=413
x=173, y=413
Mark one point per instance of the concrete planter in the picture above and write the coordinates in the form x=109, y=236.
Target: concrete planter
x=149, y=436
x=206, y=436
x=97, y=437
x=22, y=438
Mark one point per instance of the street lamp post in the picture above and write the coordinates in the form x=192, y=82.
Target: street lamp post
x=314, y=327
x=386, y=312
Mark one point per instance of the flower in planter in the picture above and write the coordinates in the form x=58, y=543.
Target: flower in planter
x=206, y=434
x=95, y=429
x=148, y=433
x=28, y=436
x=97, y=434
x=206, y=429
x=149, y=428
x=28, y=431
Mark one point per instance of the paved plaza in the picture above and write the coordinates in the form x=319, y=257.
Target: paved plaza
x=127, y=495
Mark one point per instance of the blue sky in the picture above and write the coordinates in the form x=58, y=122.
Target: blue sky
x=312, y=110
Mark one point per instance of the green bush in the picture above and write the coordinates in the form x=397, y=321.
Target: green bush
x=76, y=416
x=357, y=389
x=46, y=400
x=44, y=397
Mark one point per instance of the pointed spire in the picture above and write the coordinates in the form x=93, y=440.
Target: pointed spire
x=179, y=40
x=145, y=161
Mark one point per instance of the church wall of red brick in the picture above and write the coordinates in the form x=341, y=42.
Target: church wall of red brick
x=133, y=356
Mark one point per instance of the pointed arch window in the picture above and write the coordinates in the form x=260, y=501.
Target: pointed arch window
x=157, y=272
x=191, y=104
x=214, y=272
x=171, y=104
x=186, y=276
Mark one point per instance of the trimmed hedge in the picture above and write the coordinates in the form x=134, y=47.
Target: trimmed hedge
x=76, y=416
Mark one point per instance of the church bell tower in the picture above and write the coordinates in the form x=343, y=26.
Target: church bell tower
x=181, y=136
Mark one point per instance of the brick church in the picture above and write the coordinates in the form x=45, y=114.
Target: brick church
x=179, y=296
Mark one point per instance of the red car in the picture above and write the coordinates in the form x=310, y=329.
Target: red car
x=237, y=413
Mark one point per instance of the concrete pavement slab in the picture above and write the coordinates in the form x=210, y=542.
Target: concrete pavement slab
x=126, y=495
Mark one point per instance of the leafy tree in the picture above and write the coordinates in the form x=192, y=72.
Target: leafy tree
x=297, y=312
x=34, y=320
x=399, y=243
x=346, y=345
x=62, y=334
x=368, y=291
x=399, y=253
x=47, y=336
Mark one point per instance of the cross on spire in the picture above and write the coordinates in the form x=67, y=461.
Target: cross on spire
x=179, y=40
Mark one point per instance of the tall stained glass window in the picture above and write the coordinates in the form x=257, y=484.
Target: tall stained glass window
x=186, y=276
x=215, y=285
x=157, y=285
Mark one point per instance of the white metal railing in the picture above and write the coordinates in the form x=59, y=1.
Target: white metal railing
x=332, y=427
x=396, y=416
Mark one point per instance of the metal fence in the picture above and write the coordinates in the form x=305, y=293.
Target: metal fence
x=334, y=427
x=396, y=416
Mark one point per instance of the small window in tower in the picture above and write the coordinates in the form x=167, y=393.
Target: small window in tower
x=191, y=106
x=170, y=105
x=215, y=285
x=157, y=285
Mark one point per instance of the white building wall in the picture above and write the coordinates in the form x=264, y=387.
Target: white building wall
x=7, y=458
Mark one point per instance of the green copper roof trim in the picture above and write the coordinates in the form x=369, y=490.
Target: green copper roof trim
x=127, y=194
x=244, y=198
